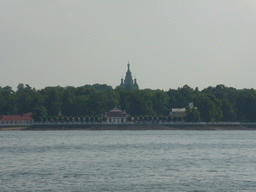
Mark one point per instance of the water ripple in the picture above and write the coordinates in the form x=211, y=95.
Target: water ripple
x=127, y=161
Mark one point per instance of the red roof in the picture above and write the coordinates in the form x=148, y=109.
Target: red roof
x=115, y=110
x=116, y=113
x=25, y=117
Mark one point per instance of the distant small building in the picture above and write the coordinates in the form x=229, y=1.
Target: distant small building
x=25, y=119
x=59, y=114
x=116, y=116
x=180, y=112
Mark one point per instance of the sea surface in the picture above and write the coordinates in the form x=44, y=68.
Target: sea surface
x=128, y=161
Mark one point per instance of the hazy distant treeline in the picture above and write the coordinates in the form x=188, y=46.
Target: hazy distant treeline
x=218, y=103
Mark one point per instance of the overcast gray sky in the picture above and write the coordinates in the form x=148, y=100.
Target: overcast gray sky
x=169, y=43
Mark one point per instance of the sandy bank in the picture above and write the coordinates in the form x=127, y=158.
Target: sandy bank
x=12, y=128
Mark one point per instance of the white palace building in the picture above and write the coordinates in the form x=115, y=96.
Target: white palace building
x=116, y=116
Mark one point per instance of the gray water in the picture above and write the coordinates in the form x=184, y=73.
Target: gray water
x=128, y=161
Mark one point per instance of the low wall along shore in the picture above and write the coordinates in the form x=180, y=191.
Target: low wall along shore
x=185, y=126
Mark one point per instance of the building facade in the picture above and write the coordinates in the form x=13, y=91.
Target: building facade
x=116, y=116
x=180, y=112
x=25, y=119
x=128, y=81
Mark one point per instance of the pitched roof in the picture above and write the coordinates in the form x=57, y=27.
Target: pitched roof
x=25, y=117
x=116, y=113
x=178, y=110
x=115, y=110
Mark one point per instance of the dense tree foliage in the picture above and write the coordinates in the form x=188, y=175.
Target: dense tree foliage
x=193, y=114
x=89, y=102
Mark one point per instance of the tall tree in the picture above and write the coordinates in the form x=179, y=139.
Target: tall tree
x=193, y=115
x=160, y=101
x=209, y=107
x=24, y=103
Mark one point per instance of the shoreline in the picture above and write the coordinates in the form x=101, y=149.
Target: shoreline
x=138, y=127
x=12, y=128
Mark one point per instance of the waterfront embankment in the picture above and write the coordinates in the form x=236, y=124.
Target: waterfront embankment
x=12, y=128
x=135, y=126
x=182, y=126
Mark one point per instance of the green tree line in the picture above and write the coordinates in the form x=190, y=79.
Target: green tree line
x=212, y=104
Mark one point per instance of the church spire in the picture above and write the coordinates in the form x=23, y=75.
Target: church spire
x=128, y=81
x=128, y=66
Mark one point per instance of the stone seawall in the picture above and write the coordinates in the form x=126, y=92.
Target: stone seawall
x=144, y=127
